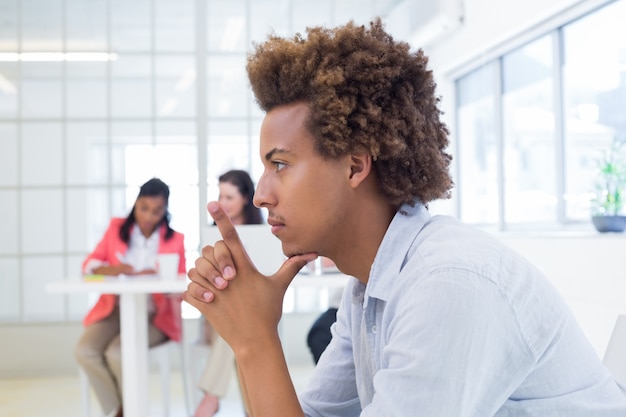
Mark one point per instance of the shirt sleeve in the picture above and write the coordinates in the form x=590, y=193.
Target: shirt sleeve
x=90, y=266
x=450, y=346
x=332, y=390
x=100, y=255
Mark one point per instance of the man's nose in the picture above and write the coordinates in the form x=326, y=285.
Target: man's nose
x=262, y=192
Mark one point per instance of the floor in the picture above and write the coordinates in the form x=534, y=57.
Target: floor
x=60, y=396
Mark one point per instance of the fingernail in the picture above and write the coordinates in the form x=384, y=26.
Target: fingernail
x=207, y=296
x=219, y=281
x=229, y=272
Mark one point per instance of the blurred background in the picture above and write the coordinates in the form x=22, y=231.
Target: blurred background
x=97, y=96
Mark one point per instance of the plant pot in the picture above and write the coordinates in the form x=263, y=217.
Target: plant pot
x=605, y=224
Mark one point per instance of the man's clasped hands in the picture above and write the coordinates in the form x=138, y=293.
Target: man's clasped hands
x=242, y=304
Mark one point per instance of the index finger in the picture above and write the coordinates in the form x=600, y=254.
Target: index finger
x=230, y=237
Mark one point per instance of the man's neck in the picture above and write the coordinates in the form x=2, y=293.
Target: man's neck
x=354, y=255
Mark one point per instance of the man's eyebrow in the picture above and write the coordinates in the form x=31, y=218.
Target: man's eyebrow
x=275, y=151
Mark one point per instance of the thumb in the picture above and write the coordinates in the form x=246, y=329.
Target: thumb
x=290, y=268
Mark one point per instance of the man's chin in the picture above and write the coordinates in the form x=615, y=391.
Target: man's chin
x=290, y=250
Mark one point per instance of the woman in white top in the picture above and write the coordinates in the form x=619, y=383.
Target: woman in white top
x=236, y=194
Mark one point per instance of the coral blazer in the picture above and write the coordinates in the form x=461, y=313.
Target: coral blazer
x=167, y=317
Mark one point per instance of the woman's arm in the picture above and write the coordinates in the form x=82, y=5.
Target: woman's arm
x=105, y=259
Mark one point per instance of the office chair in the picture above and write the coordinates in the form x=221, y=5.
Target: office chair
x=160, y=354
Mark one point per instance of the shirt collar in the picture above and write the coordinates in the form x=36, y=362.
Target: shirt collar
x=137, y=237
x=391, y=255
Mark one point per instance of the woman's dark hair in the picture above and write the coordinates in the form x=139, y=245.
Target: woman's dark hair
x=243, y=182
x=153, y=188
x=365, y=92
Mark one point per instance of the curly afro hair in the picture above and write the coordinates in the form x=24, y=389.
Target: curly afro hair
x=366, y=92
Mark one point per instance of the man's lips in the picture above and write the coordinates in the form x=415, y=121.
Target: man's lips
x=277, y=228
x=276, y=225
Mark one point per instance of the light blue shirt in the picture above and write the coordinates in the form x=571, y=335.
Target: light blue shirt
x=452, y=323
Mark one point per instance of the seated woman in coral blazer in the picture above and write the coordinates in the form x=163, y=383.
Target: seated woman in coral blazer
x=129, y=246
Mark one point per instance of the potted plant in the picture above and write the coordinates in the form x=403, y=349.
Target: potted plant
x=608, y=214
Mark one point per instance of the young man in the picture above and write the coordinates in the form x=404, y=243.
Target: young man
x=440, y=319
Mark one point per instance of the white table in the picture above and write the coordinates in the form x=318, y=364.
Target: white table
x=134, y=327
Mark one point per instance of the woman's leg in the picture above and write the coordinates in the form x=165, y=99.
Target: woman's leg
x=113, y=352
x=216, y=377
x=219, y=369
x=90, y=355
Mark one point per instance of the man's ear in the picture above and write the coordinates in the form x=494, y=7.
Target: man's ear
x=360, y=168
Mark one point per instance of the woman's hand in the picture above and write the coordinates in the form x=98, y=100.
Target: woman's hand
x=114, y=270
x=148, y=271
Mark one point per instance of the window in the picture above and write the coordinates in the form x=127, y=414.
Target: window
x=594, y=79
x=97, y=96
x=531, y=122
x=529, y=140
x=477, y=143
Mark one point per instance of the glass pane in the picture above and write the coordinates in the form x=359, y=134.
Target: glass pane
x=8, y=228
x=529, y=134
x=42, y=154
x=9, y=155
x=594, y=96
x=175, y=22
x=255, y=157
x=269, y=16
x=360, y=11
x=42, y=221
x=255, y=110
x=177, y=152
x=130, y=195
x=8, y=27
x=131, y=93
x=140, y=163
x=131, y=142
x=9, y=289
x=130, y=25
x=86, y=89
x=120, y=205
x=175, y=86
x=8, y=89
x=41, y=25
x=226, y=25
x=85, y=25
x=88, y=210
x=228, y=148
x=87, y=153
x=228, y=93
x=41, y=305
x=166, y=162
x=311, y=13
x=183, y=206
x=99, y=222
x=42, y=92
x=477, y=180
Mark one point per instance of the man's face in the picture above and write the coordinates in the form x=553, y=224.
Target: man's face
x=306, y=195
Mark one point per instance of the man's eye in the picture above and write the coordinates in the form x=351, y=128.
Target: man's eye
x=278, y=165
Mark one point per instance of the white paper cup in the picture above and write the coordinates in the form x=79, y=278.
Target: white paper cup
x=168, y=266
